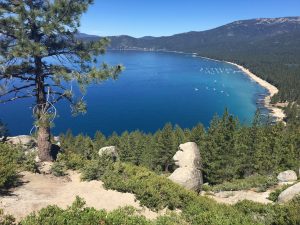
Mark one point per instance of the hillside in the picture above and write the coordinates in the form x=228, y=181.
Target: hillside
x=268, y=47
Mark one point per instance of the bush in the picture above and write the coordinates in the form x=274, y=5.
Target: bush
x=95, y=168
x=59, y=169
x=272, y=214
x=12, y=161
x=261, y=183
x=6, y=219
x=171, y=218
x=8, y=166
x=157, y=192
x=72, y=160
x=29, y=163
x=274, y=194
x=78, y=214
x=288, y=214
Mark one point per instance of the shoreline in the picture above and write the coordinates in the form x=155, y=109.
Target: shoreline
x=275, y=111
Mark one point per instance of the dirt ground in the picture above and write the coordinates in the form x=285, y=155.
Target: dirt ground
x=232, y=197
x=38, y=191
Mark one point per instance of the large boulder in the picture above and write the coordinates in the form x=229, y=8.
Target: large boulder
x=287, y=176
x=189, y=174
x=289, y=193
x=111, y=151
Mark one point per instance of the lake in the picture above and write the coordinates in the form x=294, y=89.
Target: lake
x=155, y=88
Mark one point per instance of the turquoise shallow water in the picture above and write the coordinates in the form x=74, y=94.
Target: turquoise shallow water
x=155, y=88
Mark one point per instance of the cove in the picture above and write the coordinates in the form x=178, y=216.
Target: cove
x=155, y=88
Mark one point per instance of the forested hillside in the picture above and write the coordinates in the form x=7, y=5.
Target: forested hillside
x=268, y=47
x=229, y=150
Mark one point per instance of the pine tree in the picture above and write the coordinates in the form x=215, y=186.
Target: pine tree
x=124, y=147
x=114, y=140
x=179, y=136
x=148, y=156
x=35, y=32
x=198, y=134
x=99, y=140
x=166, y=146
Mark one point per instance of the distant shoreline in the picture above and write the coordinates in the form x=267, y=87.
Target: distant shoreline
x=275, y=111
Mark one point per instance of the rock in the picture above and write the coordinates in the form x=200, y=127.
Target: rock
x=25, y=141
x=289, y=193
x=188, y=177
x=287, y=176
x=29, y=145
x=56, y=138
x=2, y=139
x=189, y=173
x=109, y=150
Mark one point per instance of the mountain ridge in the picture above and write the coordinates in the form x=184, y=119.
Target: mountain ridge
x=262, y=20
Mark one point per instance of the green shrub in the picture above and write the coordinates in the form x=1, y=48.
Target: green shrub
x=288, y=214
x=29, y=163
x=78, y=214
x=274, y=194
x=155, y=192
x=205, y=187
x=158, y=192
x=262, y=213
x=272, y=214
x=6, y=219
x=72, y=160
x=8, y=166
x=13, y=160
x=95, y=168
x=59, y=169
x=170, y=219
x=261, y=183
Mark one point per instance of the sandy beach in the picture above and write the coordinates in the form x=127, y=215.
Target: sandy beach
x=276, y=112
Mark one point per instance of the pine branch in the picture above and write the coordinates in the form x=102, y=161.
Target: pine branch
x=17, y=89
x=16, y=97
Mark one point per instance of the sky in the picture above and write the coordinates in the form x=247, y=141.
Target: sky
x=140, y=18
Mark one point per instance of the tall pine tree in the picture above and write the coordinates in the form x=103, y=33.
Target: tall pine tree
x=34, y=33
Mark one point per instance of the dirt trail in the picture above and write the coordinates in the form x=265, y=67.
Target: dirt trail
x=232, y=197
x=39, y=191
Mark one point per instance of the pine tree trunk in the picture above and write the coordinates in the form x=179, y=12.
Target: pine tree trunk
x=167, y=167
x=44, y=144
x=43, y=133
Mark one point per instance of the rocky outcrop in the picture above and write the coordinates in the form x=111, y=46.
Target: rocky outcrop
x=287, y=176
x=25, y=141
x=29, y=145
x=189, y=173
x=111, y=151
x=289, y=193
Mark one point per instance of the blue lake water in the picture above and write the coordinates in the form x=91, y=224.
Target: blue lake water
x=154, y=89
